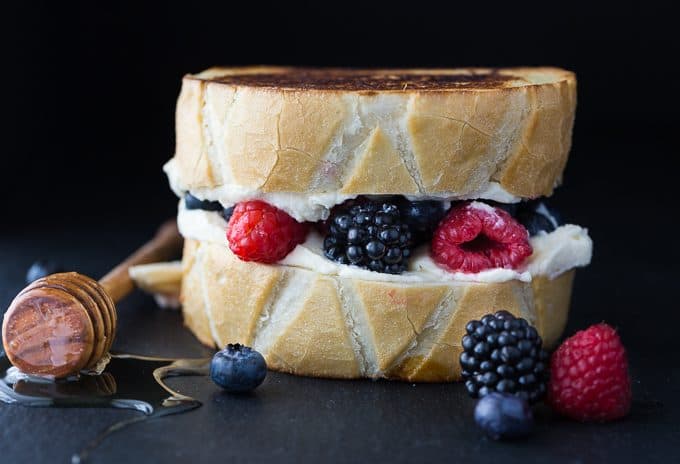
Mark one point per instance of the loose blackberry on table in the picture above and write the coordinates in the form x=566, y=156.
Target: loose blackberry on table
x=502, y=353
x=371, y=235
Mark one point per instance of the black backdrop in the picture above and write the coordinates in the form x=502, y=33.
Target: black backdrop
x=89, y=90
x=88, y=94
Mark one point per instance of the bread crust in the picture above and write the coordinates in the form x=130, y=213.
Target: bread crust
x=311, y=324
x=417, y=132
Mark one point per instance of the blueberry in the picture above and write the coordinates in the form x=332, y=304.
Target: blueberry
x=191, y=202
x=536, y=216
x=503, y=416
x=536, y=223
x=238, y=368
x=42, y=268
x=422, y=217
x=227, y=212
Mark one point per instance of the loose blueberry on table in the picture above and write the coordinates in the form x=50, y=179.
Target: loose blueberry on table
x=503, y=416
x=42, y=268
x=238, y=368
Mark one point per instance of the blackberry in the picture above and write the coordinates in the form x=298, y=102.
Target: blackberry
x=502, y=353
x=371, y=235
x=422, y=217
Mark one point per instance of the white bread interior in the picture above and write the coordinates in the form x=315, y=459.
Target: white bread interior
x=318, y=325
x=423, y=140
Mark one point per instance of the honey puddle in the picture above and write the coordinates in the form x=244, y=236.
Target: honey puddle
x=128, y=382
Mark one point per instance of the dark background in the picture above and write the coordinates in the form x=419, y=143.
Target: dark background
x=89, y=90
x=88, y=95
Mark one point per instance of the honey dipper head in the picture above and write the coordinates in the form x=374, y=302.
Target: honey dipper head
x=59, y=325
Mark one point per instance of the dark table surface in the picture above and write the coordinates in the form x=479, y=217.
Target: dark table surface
x=292, y=419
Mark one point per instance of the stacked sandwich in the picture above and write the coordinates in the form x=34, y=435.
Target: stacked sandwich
x=349, y=223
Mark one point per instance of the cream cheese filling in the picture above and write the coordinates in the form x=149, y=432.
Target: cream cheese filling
x=310, y=207
x=565, y=248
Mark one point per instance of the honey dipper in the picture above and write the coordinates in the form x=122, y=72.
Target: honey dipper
x=64, y=323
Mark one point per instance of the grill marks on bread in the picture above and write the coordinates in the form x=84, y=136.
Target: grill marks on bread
x=370, y=80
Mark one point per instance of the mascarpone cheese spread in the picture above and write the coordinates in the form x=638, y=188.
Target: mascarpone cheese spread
x=566, y=247
x=310, y=207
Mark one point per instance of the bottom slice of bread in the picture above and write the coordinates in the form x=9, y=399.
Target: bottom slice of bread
x=307, y=323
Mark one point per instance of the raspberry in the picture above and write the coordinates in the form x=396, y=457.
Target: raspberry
x=261, y=232
x=589, y=376
x=475, y=236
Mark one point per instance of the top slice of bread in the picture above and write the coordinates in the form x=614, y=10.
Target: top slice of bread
x=420, y=132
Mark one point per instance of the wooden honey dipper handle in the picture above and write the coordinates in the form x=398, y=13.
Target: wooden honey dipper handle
x=66, y=322
x=162, y=247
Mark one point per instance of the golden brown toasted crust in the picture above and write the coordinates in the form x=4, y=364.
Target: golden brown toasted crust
x=420, y=132
x=318, y=325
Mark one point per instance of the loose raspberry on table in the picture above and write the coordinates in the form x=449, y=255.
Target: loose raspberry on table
x=260, y=232
x=589, y=378
x=475, y=236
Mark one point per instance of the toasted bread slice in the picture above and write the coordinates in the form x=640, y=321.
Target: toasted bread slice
x=429, y=132
x=158, y=278
x=308, y=323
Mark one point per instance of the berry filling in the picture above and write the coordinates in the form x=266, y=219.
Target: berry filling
x=380, y=232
